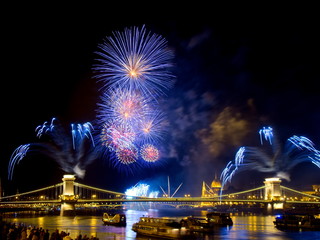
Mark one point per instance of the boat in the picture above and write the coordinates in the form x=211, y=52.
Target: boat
x=168, y=228
x=297, y=221
x=219, y=219
x=116, y=219
x=197, y=224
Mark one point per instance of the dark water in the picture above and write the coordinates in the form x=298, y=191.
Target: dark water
x=245, y=226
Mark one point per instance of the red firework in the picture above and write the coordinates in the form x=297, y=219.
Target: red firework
x=127, y=155
x=149, y=153
x=116, y=136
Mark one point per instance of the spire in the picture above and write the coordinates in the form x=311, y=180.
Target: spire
x=204, y=190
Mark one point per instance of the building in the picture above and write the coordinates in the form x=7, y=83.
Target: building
x=315, y=192
x=213, y=190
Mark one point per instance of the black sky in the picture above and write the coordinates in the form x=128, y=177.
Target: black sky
x=237, y=70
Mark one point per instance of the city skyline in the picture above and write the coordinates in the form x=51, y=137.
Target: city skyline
x=232, y=79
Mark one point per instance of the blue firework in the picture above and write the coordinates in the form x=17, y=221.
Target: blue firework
x=136, y=60
x=72, y=150
x=275, y=159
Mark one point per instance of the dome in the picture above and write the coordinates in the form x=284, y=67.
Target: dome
x=215, y=184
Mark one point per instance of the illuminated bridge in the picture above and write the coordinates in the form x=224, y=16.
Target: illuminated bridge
x=70, y=194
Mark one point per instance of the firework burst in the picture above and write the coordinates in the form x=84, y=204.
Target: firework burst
x=153, y=127
x=127, y=155
x=136, y=60
x=149, y=153
x=123, y=106
x=116, y=136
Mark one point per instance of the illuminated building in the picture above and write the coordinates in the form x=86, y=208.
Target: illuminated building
x=315, y=192
x=213, y=190
x=316, y=189
x=210, y=191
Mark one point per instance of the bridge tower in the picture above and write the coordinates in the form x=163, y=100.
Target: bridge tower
x=272, y=190
x=68, y=199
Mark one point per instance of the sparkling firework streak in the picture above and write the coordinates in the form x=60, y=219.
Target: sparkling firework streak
x=44, y=128
x=16, y=157
x=149, y=153
x=138, y=190
x=302, y=143
x=239, y=156
x=72, y=153
x=267, y=132
x=136, y=60
x=298, y=149
x=141, y=190
x=79, y=131
x=316, y=160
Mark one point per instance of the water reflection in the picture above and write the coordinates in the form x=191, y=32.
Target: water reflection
x=244, y=227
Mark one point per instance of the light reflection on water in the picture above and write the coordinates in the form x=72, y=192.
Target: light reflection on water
x=245, y=226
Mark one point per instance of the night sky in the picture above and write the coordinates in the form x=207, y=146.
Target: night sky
x=234, y=74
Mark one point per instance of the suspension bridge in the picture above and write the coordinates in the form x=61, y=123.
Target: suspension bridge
x=69, y=194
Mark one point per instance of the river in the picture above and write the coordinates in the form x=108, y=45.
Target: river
x=246, y=226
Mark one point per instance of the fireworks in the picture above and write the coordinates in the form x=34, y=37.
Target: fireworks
x=18, y=154
x=134, y=69
x=116, y=136
x=239, y=156
x=152, y=128
x=127, y=155
x=302, y=143
x=141, y=190
x=296, y=150
x=123, y=106
x=136, y=60
x=149, y=153
x=70, y=151
x=79, y=131
x=267, y=133
x=44, y=128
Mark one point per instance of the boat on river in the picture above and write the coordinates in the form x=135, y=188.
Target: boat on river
x=219, y=219
x=197, y=224
x=168, y=228
x=116, y=219
x=297, y=221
